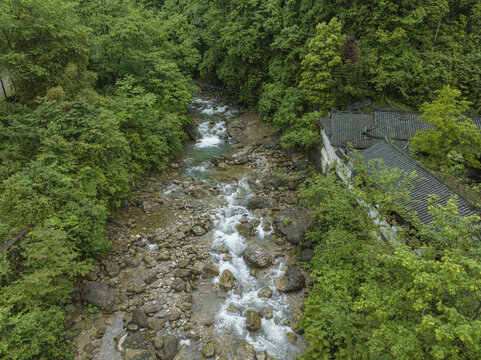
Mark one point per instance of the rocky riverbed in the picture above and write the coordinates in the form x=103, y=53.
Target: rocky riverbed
x=203, y=259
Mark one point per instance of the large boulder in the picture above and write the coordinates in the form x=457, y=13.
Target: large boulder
x=139, y=318
x=169, y=350
x=293, y=280
x=253, y=320
x=208, y=350
x=246, y=229
x=192, y=132
x=138, y=347
x=227, y=280
x=256, y=257
x=293, y=223
x=273, y=182
x=209, y=271
x=102, y=296
x=258, y=202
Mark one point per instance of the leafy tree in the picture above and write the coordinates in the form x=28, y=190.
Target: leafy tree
x=451, y=134
x=323, y=57
x=41, y=38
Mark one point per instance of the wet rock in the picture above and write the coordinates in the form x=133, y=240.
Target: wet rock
x=271, y=144
x=198, y=230
x=178, y=285
x=258, y=202
x=183, y=273
x=138, y=341
x=149, y=309
x=183, y=263
x=291, y=337
x=293, y=223
x=227, y=280
x=100, y=295
x=169, y=349
x=175, y=315
x=209, y=271
x=147, y=207
x=132, y=261
x=265, y=293
x=223, y=166
x=208, y=350
x=192, y=132
x=184, y=228
x=150, y=262
x=256, y=257
x=139, y=318
x=273, y=182
x=307, y=255
x=246, y=352
x=112, y=269
x=216, y=160
x=246, y=229
x=267, y=313
x=150, y=277
x=253, y=320
x=293, y=280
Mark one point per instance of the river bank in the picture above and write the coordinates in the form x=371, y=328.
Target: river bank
x=203, y=258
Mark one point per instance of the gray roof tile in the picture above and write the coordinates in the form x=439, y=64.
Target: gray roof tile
x=427, y=185
x=364, y=129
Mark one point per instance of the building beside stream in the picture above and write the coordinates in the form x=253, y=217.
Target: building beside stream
x=385, y=136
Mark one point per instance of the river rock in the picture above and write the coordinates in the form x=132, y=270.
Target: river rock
x=273, y=182
x=209, y=271
x=112, y=269
x=150, y=276
x=258, y=202
x=169, y=349
x=293, y=280
x=227, y=280
x=138, y=341
x=256, y=257
x=132, y=261
x=178, y=285
x=102, y=296
x=192, y=132
x=216, y=160
x=293, y=223
x=246, y=229
x=265, y=293
x=253, y=320
x=307, y=255
x=147, y=207
x=198, y=230
x=208, y=350
x=139, y=318
x=246, y=352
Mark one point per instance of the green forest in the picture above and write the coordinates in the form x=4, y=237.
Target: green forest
x=101, y=96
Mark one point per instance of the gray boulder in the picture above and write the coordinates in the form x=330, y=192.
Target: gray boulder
x=102, y=296
x=139, y=318
x=273, y=182
x=256, y=257
x=246, y=229
x=258, y=202
x=293, y=223
x=209, y=271
x=227, y=280
x=138, y=347
x=253, y=320
x=293, y=280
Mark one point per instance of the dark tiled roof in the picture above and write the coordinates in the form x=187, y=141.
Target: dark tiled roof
x=364, y=129
x=393, y=157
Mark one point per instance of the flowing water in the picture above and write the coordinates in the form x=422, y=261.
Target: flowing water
x=230, y=314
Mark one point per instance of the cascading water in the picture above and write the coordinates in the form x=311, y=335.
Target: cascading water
x=231, y=316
